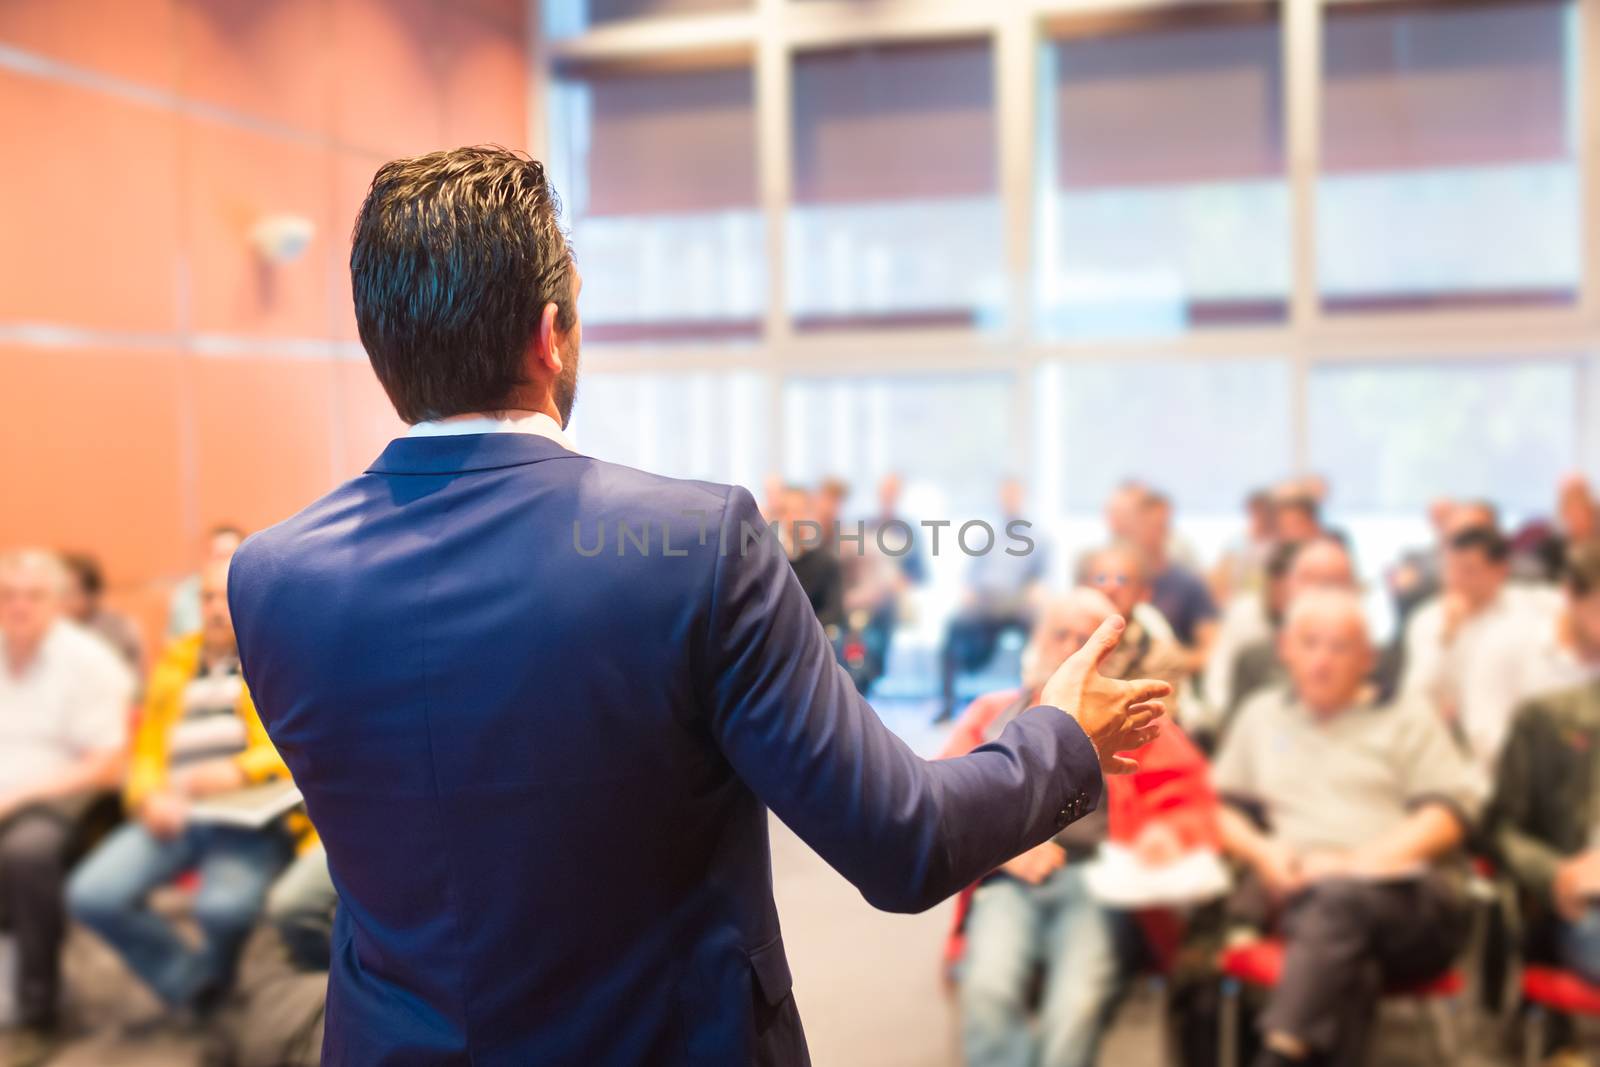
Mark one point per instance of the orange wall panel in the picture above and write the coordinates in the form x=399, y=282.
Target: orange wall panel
x=239, y=177
x=352, y=178
x=268, y=60
x=367, y=418
x=263, y=437
x=95, y=456
x=88, y=222
x=386, y=80
x=142, y=152
x=129, y=39
x=485, y=82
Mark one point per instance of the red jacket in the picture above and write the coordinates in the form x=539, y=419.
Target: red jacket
x=1173, y=783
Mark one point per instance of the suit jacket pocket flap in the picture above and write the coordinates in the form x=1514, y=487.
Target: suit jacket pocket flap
x=772, y=971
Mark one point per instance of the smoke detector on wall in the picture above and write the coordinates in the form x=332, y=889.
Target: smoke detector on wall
x=282, y=238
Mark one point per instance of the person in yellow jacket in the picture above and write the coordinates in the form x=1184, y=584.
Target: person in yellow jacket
x=198, y=735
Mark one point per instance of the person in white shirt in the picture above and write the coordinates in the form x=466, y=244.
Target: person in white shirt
x=1567, y=649
x=65, y=696
x=1344, y=812
x=1466, y=651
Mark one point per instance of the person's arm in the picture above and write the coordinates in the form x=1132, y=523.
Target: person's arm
x=1442, y=788
x=1429, y=832
x=94, y=771
x=1532, y=861
x=907, y=832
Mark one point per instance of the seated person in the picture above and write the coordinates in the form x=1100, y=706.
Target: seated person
x=64, y=702
x=301, y=906
x=85, y=605
x=199, y=735
x=1323, y=563
x=1361, y=805
x=1247, y=619
x=1180, y=593
x=1001, y=594
x=1544, y=822
x=1037, y=909
x=1465, y=649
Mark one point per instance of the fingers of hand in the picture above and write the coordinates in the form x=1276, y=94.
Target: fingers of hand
x=1120, y=765
x=1140, y=715
x=1104, y=639
x=1132, y=739
x=1144, y=690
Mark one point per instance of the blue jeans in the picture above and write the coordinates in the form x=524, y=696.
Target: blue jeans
x=1580, y=946
x=1012, y=929
x=107, y=894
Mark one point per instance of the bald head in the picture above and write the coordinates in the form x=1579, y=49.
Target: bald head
x=1320, y=564
x=33, y=586
x=1066, y=621
x=1326, y=648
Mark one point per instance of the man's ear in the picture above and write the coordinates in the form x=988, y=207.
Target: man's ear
x=548, y=340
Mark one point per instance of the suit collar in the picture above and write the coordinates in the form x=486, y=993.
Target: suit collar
x=457, y=453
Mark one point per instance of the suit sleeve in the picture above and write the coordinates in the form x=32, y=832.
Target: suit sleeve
x=905, y=831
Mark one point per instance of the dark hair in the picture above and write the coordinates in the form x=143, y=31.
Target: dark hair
x=1581, y=570
x=453, y=258
x=1485, y=539
x=85, y=569
x=1281, y=558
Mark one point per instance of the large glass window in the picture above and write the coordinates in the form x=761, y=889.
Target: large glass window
x=1448, y=160
x=697, y=424
x=949, y=437
x=566, y=18
x=1205, y=432
x=658, y=176
x=1163, y=204
x=1392, y=436
x=895, y=219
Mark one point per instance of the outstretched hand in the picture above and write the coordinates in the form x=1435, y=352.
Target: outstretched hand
x=1118, y=716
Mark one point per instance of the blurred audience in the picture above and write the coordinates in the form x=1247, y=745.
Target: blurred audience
x=183, y=610
x=1178, y=592
x=813, y=553
x=1322, y=563
x=64, y=703
x=85, y=605
x=1037, y=911
x=1466, y=650
x=1242, y=567
x=1002, y=589
x=199, y=736
x=1352, y=773
x=1344, y=814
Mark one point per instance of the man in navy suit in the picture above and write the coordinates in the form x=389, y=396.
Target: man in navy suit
x=539, y=704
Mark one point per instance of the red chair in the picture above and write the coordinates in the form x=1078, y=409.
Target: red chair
x=1550, y=989
x=1260, y=963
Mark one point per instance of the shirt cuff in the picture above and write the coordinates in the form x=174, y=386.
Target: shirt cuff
x=1079, y=784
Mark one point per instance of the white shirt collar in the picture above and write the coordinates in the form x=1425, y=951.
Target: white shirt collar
x=536, y=423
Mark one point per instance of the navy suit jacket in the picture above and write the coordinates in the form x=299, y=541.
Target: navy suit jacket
x=543, y=772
